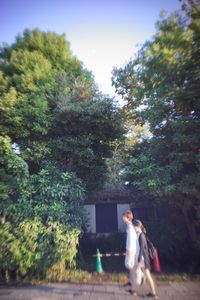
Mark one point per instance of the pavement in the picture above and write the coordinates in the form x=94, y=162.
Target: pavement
x=63, y=291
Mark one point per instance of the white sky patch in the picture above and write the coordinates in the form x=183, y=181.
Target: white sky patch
x=101, y=59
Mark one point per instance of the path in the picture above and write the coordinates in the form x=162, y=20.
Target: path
x=108, y=291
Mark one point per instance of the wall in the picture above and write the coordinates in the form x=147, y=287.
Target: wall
x=91, y=215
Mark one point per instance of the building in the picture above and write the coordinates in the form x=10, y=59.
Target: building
x=104, y=209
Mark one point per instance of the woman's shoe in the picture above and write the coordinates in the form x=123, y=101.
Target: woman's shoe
x=152, y=295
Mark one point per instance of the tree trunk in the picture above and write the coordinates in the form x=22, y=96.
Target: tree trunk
x=5, y=276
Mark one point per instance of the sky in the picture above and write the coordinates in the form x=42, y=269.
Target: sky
x=102, y=33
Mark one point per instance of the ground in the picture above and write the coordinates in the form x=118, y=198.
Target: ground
x=185, y=290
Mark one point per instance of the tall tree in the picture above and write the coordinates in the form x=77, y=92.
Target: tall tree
x=52, y=109
x=161, y=88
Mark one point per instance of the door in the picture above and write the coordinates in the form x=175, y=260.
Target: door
x=106, y=218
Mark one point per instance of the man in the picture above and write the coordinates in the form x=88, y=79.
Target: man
x=132, y=250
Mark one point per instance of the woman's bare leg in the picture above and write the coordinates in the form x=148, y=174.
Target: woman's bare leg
x=150, y=281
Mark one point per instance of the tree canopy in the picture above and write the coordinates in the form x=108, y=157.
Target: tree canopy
x=60, y=138
x=160, y=87
x=51, y=108
x=56, y=131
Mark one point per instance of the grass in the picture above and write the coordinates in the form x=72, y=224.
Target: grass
x=79, y=276
x=113, y=271
x=177, y=277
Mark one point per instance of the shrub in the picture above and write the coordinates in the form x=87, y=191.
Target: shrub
x=33, y=249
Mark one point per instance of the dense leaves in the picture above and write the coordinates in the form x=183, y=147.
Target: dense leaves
x=84, y=124
x=13, y=171
x=60, y=137
x=42, y=225
x=52, y=109
x=34, y=249
x=56, y=131
x=161, y=89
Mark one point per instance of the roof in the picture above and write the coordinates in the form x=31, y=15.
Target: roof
x=115, y=193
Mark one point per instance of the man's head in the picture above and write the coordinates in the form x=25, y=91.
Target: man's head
x=128, y=216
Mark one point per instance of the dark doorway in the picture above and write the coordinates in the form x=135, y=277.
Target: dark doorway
x=106, y=218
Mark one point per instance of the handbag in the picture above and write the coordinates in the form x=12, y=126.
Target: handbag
x=139, y=275
x=156, y=262
x=129, y=261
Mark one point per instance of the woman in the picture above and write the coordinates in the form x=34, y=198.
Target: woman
x=131, y=249
x=143, y=257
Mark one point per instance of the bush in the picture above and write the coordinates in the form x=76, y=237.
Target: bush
x=33, y=249
x=43, y=228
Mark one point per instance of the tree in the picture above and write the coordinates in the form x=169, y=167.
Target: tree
x=29, y=69
x=41, y=204
x=160, y=87
x=57, y=130
x=84, y=125
x=52, y=109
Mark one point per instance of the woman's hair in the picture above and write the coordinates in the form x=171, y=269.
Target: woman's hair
x=139, y=224
x=129, y=215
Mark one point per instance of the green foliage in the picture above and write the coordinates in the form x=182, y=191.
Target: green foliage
x=160, y=87
x=52, y=195
x=152, y=179
x=83, y=127
x=33, y=249
x=29, y=69
x=46, y=224
x=56, y=131
x=13, y=171
x=52, y=109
